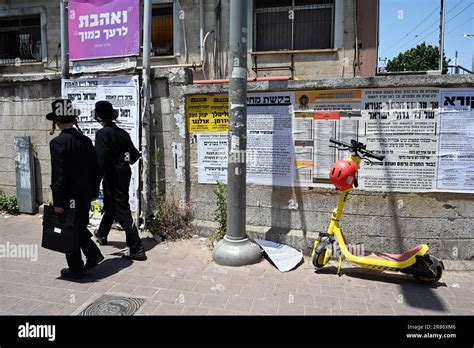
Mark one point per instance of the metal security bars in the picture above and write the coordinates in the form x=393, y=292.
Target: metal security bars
x=293, y=24
x=20, y=40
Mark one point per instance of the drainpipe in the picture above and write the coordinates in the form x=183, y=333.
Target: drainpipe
x=64, y=39
x=201, y=29
x=146, y=112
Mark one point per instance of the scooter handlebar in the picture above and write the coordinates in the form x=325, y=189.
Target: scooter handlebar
x=356, y=147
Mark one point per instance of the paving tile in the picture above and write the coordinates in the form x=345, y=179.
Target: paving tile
x=122, y=289
x=144, y=291
x=326, y=302
x=148, y=307
x=253, y=291
x=214, y=301
x=239, y=304
x=266, y=283
x=166, y=296
x=6, y=302
x=161, y=282
x=316, y=311
x=68, y=310
x=343, y=312
x=190, y=310
x=183, y=284
x=24, y=306
x=189, y=298
x=353, y=304
x=220, y=312
x=308, y=288
x=168, y=309
x=276, y=295
x=264, y=307
x=379, y=307
x=48, y=308
x=327, y=290
x=288, y=309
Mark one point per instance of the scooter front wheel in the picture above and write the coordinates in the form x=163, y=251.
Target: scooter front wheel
x=318, y=259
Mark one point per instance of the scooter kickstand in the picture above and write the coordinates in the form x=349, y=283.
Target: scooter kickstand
x=339, y=269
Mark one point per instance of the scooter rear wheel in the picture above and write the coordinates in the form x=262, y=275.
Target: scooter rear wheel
x=430, y=280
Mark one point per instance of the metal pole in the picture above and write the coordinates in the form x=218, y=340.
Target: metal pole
x=201, y=29
x=441, y=36
x=146, y=111
x=64, y=39
x=236, y=249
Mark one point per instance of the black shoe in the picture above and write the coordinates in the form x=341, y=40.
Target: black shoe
x=70, y=274
x=101, y=240
x=92, y=262
x=139, y=255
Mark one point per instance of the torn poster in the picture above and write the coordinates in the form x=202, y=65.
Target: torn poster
x=284, y=257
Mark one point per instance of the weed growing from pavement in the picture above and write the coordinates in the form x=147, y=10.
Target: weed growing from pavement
x=220, y=214
x=9, y=204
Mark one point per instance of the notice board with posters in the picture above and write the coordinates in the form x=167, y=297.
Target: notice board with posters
x=426, y=135
x=123, y=93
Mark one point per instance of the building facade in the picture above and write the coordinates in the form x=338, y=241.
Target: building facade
x=301, y=39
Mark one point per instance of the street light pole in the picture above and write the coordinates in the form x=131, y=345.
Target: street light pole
x=236, y=249
x=472, y=63
x=64, y=15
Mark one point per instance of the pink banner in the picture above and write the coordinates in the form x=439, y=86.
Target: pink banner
x=103, y=28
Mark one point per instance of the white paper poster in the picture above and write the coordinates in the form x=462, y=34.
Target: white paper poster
x=270, y=139
x=123, y=93
x=400, y=124
x=456, y=141
x=319, y=116
x=269, y=155
x=212, y=157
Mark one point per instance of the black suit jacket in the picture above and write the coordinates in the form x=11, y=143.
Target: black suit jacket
x=73, y=168
x=115, y=154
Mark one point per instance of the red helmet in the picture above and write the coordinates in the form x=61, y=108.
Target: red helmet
x=343, y=174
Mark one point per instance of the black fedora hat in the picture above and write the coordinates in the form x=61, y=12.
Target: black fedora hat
x=104, y=111
x=62, y=111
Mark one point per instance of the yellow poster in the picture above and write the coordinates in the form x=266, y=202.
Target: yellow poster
x=207, y=113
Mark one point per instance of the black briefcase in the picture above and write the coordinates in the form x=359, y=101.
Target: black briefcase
x=58, y=230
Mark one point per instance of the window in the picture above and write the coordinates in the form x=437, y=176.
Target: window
x=162, y=29
x=293, y=24
x=20, y=38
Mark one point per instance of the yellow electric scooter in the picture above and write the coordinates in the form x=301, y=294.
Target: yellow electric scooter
x=415, y=261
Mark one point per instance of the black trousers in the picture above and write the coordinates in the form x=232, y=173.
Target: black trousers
x=117, y=208
x=86, y=244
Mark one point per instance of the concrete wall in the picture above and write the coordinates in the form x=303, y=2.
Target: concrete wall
x=387, y=221
x=23, y=106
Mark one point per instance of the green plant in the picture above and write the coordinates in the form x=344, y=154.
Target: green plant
x=9, y=204
x=420, y=58
x=220, y=213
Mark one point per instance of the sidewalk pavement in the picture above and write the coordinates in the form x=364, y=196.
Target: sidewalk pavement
x=180, y=278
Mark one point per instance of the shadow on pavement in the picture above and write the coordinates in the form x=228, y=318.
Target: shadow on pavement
x=103, y=270
x=148, y=244
x=415, y=294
